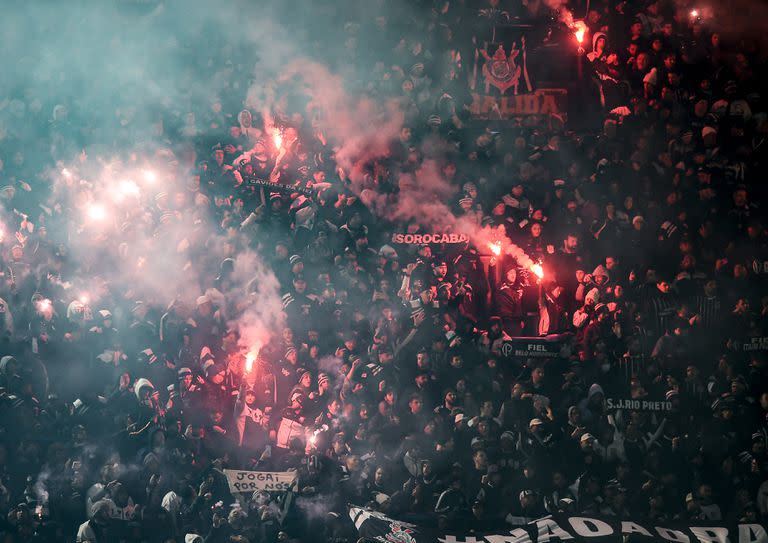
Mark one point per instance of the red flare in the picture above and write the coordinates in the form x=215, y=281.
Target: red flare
x=579, y=30
x=250, y=357
x=277, y=139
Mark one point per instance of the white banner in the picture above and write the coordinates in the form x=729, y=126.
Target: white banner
x=251, y=481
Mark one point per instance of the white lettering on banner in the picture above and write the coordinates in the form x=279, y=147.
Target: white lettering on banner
x=637, y=405
x=518, y=535
x=711, y=535
x=548, y=529
x=752, y=533
x=251, y=481
x=629, y=527
x=418, y=239
x=672, y=535
x=590, y=527
x=757, y=344
x=560, y=528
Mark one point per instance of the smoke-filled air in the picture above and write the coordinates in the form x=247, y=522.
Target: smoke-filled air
x=468, y=271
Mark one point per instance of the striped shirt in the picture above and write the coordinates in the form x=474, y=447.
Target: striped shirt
x=662, y=311
x=709, y=309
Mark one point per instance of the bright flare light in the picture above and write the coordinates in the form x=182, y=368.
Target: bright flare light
x=694, y=13
x=66, y=173
x=84, y=299
x=277, y=139
x=580, y=28
x=97, y=212
x=45, y=304
x=495, y=248
x=128, y=188
x=149, y=176
x=249, y=358
x=537, y=270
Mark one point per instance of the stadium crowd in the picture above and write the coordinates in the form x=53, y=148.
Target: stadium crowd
x=120, y=410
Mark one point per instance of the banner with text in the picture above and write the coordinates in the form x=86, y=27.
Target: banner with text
x=551, y=346
x=637, y=404
x=251, y=481
x=501, y=79
x=751, y=345
x=377, y=527
x=421, y=239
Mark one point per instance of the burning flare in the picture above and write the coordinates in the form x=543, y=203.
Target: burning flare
x=97, y=212
x=277, y=138
x=149, y=176
x=495, y=248
x=128, y=188
x=537, y=270
x=579, y=30
x=249, y=359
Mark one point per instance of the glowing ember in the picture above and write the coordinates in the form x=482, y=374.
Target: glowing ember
x=150, y=176
x=97, y=212
x=579, y=30
x=537, y=270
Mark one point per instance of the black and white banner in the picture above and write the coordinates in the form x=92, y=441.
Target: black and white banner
x=753, y=344
x=633, y=404
x=377, y=527
x=551, y=346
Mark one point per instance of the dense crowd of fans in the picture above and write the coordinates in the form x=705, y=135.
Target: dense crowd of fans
x=120, y=411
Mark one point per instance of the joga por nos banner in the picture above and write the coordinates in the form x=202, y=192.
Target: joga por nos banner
x=251, y=481
x=376, y=526
x=421, y=239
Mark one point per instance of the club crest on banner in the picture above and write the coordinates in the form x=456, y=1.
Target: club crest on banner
x=502, y=71
x=503, y=78
x=399, y=534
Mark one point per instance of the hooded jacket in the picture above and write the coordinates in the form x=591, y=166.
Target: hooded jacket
x=6, y=319
x=601, y=271
x=8, y=378
x=585, y=406
x=593, y=55
x=141, y=383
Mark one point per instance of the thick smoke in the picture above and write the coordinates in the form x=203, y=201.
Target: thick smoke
x=260, y=299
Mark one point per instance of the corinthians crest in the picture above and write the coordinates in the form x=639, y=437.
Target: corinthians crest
x=504, y=68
